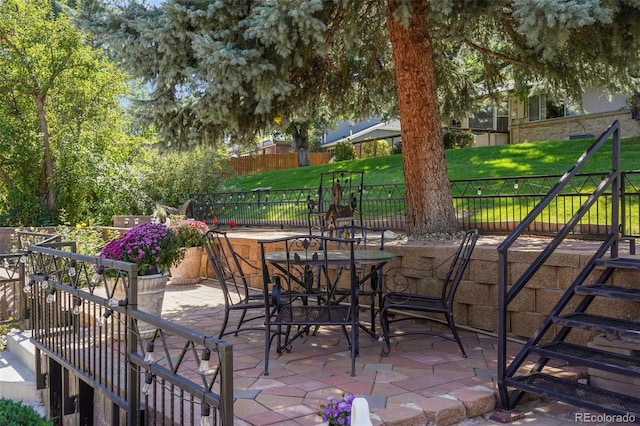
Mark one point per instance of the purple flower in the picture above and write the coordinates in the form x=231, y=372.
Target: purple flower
x=337, y=411
x=148, y=245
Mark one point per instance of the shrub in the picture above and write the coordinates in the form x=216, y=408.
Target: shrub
x=455, y=139
x=88, y=236
x=376, y=148
x=397, y=148
x=344, y=151
x=16, y=414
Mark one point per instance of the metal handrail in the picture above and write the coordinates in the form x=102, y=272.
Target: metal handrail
x=505, y=295
x=114, y=365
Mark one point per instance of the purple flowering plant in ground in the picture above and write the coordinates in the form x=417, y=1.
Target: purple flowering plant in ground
x=152, y=246
x=337, y=411
x=190, y=232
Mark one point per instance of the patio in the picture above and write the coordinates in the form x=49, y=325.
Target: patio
x=423, y=381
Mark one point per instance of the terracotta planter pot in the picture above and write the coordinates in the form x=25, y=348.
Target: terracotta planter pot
x=151, y=290
x=188, y=271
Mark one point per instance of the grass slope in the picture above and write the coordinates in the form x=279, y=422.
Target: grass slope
x=524, y=159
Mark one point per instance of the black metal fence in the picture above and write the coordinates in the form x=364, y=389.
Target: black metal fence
x=492, y=205
x=14, y=309
x=10, y=286
x=91, y=352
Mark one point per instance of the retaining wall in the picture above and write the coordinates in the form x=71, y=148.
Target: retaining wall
x=477, y=298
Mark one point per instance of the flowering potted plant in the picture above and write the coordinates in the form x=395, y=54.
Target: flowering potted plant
x=154, y=248
x=189, y=232
x=337, y=411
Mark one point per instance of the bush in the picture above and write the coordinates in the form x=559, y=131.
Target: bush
x=344, y=151
x=377, y=148
x=15, y=414
x=454, y=139
x=397, y=148
x=169, y=177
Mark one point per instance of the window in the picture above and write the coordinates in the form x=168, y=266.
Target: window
x=502, y=116
x=543, y=108
x=482, y=118
x=491, y=116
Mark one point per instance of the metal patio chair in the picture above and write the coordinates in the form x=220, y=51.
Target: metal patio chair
x=297, y=270
x=339, y=200
x=403, y=303
x=238, y=294
x=370, y=276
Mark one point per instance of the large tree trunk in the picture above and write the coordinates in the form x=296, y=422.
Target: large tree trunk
x=300, y=133
x=428, y=193
x=47, y=177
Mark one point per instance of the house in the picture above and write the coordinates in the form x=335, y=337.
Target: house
x=277, y=143
x=542, y=117
x=511, y=120
x=357, y=133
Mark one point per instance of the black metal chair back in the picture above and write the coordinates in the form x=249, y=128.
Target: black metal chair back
x=238, y=294
x=300, y=273
x=370, y=277
x=339, y=200
x=402, y=304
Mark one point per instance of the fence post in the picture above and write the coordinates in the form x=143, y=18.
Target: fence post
x=133, y=400
x=24, y=311
x=226, y=383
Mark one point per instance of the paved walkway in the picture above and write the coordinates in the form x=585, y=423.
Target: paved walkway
x=423, y=381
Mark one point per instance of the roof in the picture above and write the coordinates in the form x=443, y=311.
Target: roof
x=373, y=128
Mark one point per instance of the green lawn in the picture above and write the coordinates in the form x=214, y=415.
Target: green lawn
x=525, y=159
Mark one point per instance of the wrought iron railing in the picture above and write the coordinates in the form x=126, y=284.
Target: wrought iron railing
x=84, y=329
x=510, y=285
x=11, y=279
x=492, y=205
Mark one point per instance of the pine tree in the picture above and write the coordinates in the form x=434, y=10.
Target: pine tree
x=227, y=68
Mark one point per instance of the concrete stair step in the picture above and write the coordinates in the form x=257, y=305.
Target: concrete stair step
x=17, y=381
x=19, y=343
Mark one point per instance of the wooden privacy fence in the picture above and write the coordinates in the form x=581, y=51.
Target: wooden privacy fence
x=267, y=162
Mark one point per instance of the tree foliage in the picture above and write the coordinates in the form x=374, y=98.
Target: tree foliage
x=227, y=68
x=344, y=151
x=63, y=130
x=376, y=148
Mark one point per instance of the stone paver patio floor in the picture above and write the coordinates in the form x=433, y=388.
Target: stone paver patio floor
x=423, y=381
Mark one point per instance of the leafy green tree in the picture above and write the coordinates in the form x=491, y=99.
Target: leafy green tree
x=63, y=126
x=170, y=177
x=230, y=67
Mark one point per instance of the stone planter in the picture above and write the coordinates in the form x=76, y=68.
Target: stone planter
x=151, y=290
x=188, y=271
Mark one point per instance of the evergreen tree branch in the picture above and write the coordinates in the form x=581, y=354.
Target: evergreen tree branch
x=495, y=54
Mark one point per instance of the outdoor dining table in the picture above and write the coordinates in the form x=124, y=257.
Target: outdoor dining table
x=373, y=258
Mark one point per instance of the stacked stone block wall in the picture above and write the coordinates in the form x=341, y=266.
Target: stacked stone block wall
x=418, y=265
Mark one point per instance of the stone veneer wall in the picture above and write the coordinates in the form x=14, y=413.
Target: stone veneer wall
x=417, y=263
x=559, y=128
